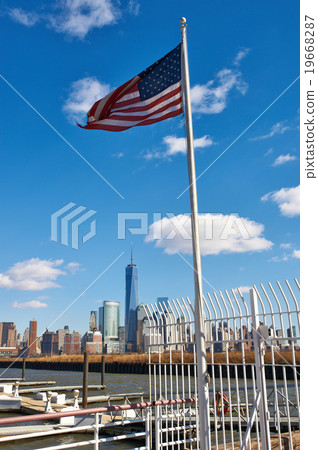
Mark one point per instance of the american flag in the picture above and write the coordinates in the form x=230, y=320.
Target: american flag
x=153, y=95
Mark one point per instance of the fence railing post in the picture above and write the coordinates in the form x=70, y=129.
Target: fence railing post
x=259, y=351
x=148, y=425
x=157, y=427
x=96, y=432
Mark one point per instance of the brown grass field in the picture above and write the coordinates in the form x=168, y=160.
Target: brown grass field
x=141, y=358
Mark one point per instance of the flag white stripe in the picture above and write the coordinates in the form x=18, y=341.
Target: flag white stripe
x=149, y=100
x=103, y=101
x=124, y=123
x=128, y=97
x=148, y=111
x=101, y=105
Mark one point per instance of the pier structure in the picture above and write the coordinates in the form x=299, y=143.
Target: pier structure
x=247, y=400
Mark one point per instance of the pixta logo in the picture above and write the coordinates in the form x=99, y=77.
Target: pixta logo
x=69, y=219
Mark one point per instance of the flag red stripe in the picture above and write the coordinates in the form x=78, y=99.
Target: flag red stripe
x=119, y=92
x=98, y=126
x=118, y=116
x=114, y=96
x=122, y=103
x=147, y=106
x=127, y=107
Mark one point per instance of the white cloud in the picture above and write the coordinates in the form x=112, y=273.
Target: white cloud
x=218, y=234
x=285, y=257
x=134, y=7
x=33, y=304
x=240, y=55
x=269, y=151
x=287, y=245
x=78, y=17
x=279, y=258
x=75, y=17
x=175, y=145
x=24, y=17
x=278, y=128
x=118, y=155
x=287, y=199
x=283, y=159
x=296, y=254
x=212, y=97
x=74, y=267
x=179, y=145
x=32, y=275
x=84, y=93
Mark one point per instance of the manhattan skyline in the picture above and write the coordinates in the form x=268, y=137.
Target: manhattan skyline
x=233, y=81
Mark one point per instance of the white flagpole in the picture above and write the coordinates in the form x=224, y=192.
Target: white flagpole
x=203, y=387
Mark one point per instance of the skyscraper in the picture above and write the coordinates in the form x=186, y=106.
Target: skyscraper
x=93, y=321
x=26, y=336
x=131, y=303
x=101, y=319
x=109, y=321
x=6, y=326
x=32, y=337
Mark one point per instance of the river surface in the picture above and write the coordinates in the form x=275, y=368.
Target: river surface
x=115, y=384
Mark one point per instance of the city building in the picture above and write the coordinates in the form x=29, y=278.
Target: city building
x=131, y=303
x=121, y=334
x=50, y=345
x=9, y=351
x=142, y=321
x=11, y=336
x=72, y=343
x=101, y=319
x=61, y=332
x=19, y=340
x=32, y=351
x=292, y=333
x=93, y=321
x=116, y=347
x=92, y=342
x=109, y=320
x=281, y=341
x=25, y=338
x=8, y=334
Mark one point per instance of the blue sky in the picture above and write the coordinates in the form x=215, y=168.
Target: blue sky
x=61, y=58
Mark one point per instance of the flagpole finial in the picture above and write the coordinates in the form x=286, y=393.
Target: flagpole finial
x=183, y=21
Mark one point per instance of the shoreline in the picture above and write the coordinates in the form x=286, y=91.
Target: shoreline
x=138, y=364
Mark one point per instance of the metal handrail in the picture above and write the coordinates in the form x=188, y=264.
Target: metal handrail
x=86, y=411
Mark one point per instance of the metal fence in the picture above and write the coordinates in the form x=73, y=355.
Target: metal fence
x=252, y=343
x=144, y=414
x=253, y=360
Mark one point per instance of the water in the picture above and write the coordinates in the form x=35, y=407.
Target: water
x=115, y=384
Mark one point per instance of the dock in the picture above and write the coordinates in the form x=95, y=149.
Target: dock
x=109, y=398
x=30, y=405
x=63, y=389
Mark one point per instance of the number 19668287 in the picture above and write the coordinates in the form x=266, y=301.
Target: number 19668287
x=309, y=44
